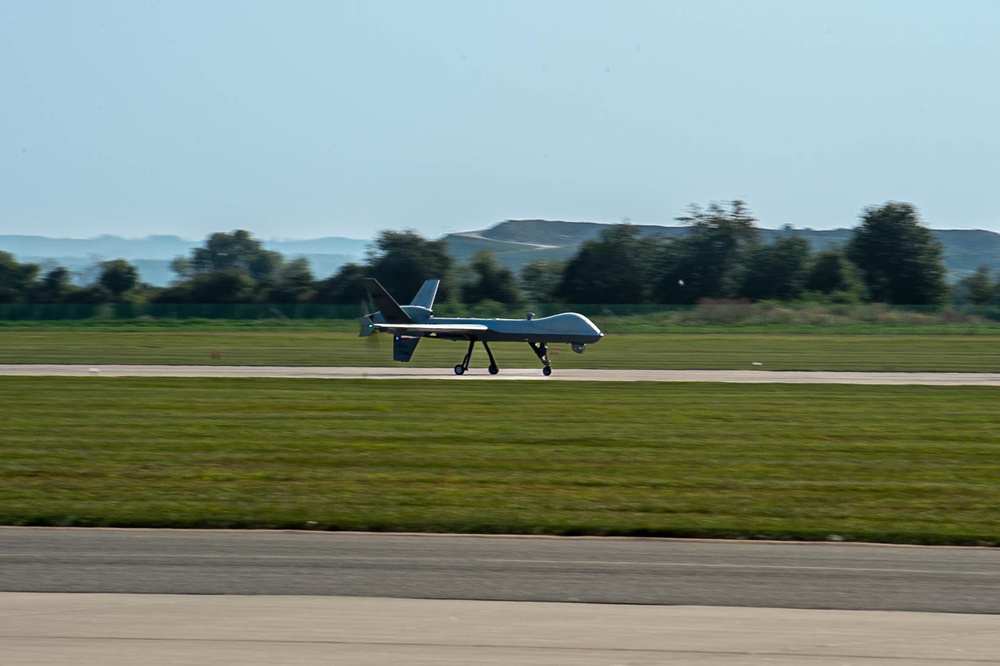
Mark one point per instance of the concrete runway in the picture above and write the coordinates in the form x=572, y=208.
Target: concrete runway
x=126, y=629
x=570, y=374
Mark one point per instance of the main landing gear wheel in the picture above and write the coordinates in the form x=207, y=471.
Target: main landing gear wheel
x=547, y=370
x=464, y=365
x=461, y=368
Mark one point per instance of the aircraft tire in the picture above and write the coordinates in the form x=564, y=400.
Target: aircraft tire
x=547, y=370
x=494, y=369
x=459, y=369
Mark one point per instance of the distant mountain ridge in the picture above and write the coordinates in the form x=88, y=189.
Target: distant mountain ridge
x=515, y=243
x=152, y=254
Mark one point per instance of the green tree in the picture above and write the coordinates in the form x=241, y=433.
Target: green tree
x=229, y=268
x=540, y=279
x=118, y=277
x=17, y=280
x=237, y=251
x=681, y=278
x=56, y=286
x=901, y=260
x=614, y=269
x=833, y=275
x=178, y=292
x=776, y=270
x=708, y=261
x=228, y=285
x=488, y=280
x=977, y=289
x=294, y=283
x=345, y=287
x=183, y=267
x=402, y=260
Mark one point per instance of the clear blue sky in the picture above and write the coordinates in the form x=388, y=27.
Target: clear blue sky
x=302, y=118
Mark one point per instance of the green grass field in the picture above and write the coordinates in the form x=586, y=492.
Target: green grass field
x=277, y=346
x=873, y=463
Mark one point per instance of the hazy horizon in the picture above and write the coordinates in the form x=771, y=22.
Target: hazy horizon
x=316, y=119
x=279, y=239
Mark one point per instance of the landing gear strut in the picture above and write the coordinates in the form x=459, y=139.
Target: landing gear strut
x=494, y=368
x=461, y=368
x=541, y=350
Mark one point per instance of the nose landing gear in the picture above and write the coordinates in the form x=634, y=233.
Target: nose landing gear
x=541, y=350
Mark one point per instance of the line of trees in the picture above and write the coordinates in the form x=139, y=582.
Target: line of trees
x=889, y=258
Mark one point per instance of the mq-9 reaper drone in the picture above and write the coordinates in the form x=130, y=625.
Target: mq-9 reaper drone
x=409, y=323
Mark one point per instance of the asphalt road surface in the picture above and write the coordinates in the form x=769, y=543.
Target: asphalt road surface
x=595, y=570
x=569, y=374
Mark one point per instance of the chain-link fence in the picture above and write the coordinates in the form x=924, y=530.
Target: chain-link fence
x=715, y=312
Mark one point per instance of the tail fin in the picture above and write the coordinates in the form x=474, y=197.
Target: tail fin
x=367, y=325
x=387, y=305
x=425, y=297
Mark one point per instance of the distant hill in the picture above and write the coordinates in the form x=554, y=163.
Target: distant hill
x=152, y=255
x=517, y=242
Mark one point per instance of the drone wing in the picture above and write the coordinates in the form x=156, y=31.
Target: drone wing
x=424, y=329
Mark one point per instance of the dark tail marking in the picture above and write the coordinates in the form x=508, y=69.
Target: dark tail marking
x=402, y=347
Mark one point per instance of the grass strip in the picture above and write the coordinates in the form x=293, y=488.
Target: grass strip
x=735, y=351
x=906, y=464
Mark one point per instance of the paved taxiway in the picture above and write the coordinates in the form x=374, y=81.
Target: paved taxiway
x=258, y=597
x=567, y=374
x=593, y=570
